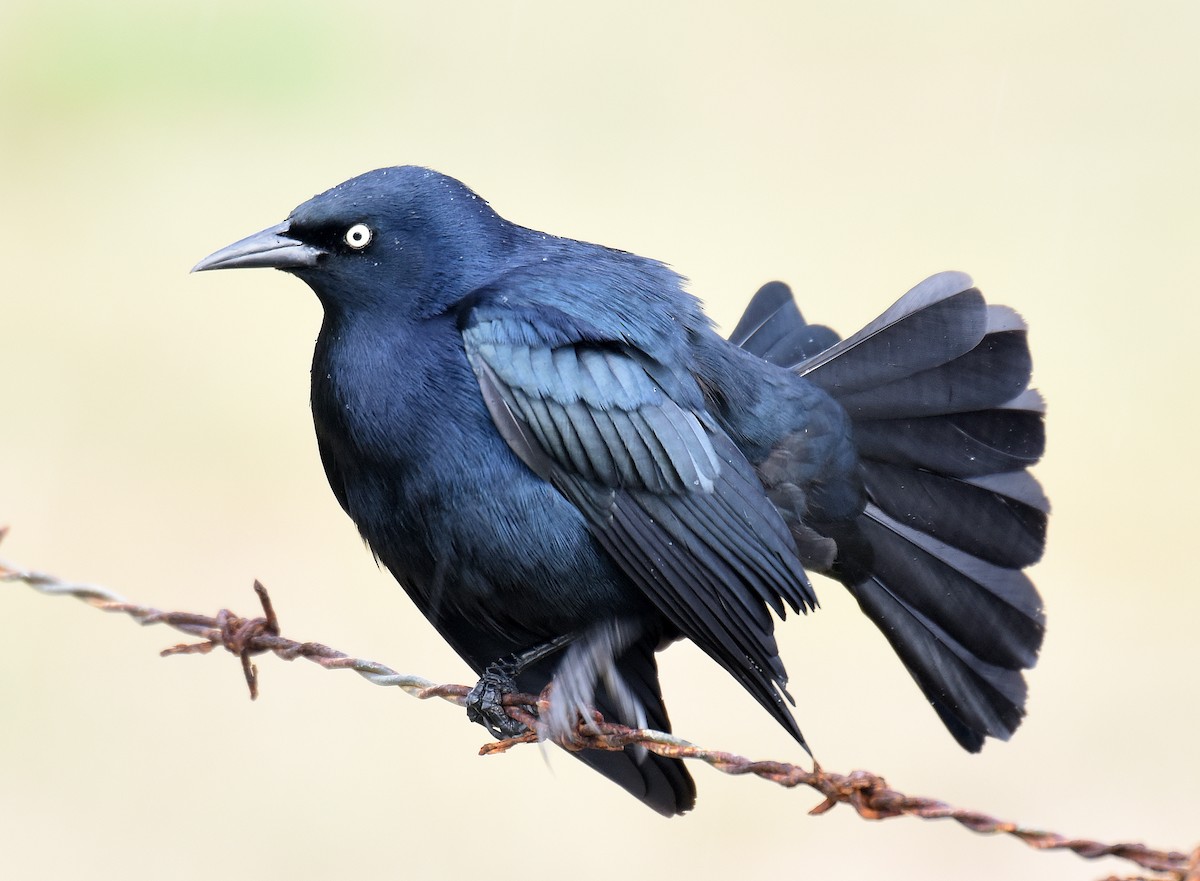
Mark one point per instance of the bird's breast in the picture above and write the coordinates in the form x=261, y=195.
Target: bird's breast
x=469, y=531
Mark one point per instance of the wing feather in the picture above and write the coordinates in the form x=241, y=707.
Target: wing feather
x=664, y=491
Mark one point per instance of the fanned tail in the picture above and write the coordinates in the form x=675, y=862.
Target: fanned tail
x=945, y=427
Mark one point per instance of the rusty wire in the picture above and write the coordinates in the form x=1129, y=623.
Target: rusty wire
x=867, y=793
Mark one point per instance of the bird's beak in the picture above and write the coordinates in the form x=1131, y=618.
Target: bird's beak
x=271, y=248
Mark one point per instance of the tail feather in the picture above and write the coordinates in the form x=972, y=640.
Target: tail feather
x=974, y=444
x=937, y=321
x=987, y=523
x=994, y=610
x=994, y=371
x=1020, y=486
x=974, y=700
x=773, y=328
x=662, y=783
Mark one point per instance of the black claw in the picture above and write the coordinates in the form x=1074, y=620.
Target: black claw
x=485, y=703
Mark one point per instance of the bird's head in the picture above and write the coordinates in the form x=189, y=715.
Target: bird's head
x=396, y=238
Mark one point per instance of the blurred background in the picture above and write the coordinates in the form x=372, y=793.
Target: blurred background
x=155, y=434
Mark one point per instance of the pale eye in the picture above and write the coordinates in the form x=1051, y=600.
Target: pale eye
x=358, y=236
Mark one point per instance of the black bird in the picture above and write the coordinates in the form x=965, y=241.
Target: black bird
x=567, y=469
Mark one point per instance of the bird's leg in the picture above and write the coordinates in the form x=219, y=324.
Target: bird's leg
x=590, y=660
x=485, y=702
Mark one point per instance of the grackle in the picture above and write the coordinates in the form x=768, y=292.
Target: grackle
x=567, y=468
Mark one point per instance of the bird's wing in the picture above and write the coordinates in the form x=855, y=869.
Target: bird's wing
x=663, y=489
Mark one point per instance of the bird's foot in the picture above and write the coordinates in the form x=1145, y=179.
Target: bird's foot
x=589, y=662
x=485, y=702
x=569, y=711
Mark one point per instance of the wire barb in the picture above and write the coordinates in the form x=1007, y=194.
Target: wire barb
x=867, y=793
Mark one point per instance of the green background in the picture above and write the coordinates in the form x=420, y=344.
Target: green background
x=155, y=437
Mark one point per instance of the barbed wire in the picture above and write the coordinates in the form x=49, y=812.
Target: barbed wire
x=867, y=793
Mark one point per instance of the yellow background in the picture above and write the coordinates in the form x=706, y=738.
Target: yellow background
x=155, y=436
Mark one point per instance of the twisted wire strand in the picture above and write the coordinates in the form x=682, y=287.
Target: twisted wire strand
x=867, y=793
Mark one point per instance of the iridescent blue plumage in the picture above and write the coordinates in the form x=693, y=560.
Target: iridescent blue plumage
x=558, y=458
